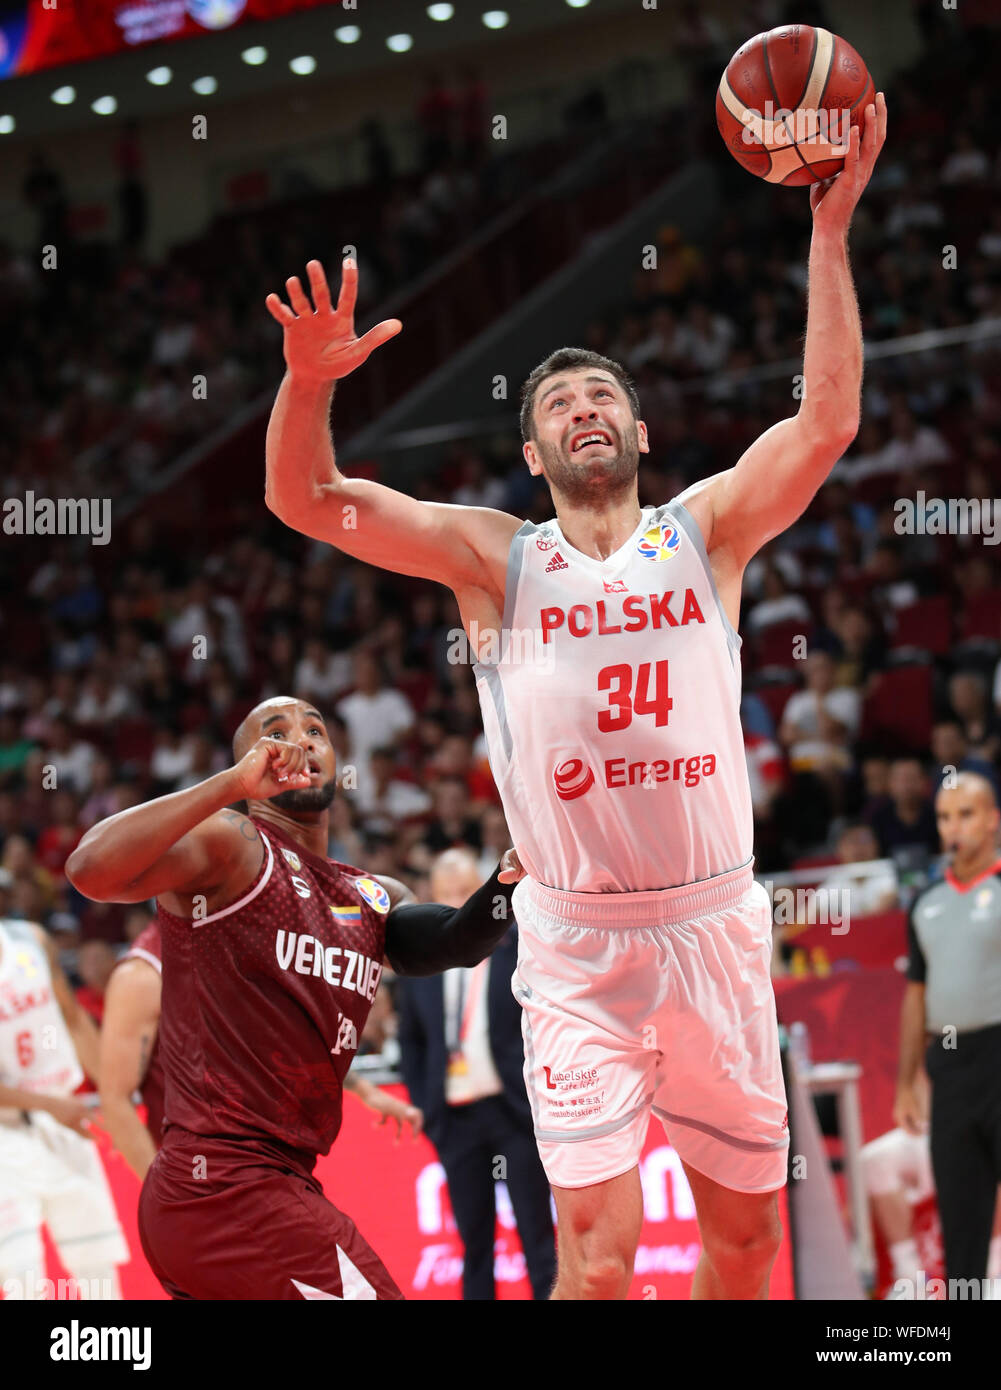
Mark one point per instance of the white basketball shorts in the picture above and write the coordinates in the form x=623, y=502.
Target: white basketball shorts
x=48, y=1173
x=662, y=1002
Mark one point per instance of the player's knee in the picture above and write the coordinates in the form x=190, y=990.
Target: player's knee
x=604, y=1275
x=751, y=1250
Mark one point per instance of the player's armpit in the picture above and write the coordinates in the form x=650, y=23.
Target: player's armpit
x=770, y=486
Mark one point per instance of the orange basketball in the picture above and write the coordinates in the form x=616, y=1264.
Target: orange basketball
x=787, y=101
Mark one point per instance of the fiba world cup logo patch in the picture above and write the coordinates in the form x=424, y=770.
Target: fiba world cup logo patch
x=216, y=14
x=660, y=542
x=373, y=893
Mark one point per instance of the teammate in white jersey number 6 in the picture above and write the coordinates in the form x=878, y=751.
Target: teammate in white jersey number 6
x=609, y=683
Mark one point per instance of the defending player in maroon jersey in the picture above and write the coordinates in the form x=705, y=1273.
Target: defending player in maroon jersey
x=272, y=954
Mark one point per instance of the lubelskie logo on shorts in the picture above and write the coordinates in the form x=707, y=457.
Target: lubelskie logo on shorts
x=82, y=1343
x=574, y=1075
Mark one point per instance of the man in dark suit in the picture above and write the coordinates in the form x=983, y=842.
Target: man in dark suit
x=462, y=1057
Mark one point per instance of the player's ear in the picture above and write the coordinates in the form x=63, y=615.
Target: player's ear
x=644, y=443
x=531, y=458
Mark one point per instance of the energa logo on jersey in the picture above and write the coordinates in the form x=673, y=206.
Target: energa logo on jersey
x=660, y=542
x=572, y=778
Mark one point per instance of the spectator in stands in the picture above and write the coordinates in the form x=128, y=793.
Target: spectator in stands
x=384, y=795
x=951, y=754
x=323, y=674
x=819, y=722
x=451, y=825
x=95, y=960
x=15, y=747
x=72, y=758
x=969, y=704
x=870, y=889
x=889, y=588
x=778, y=604
x=375, y=715
x=61, y=835
x=859, y=649
x=907, y=817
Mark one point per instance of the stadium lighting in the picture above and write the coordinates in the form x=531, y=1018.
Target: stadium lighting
x=399, y=43
x=303, y=66
x=159, y=77
x=204, y=86
x=496, y=19
x=7, y=124
x=64, y=96
x=104, y=106
x=255, y=56
x=578, y=4
x=441, y=12
x=347, y=33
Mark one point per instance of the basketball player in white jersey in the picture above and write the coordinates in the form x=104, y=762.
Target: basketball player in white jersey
x=610, y=704
x=50, y=1169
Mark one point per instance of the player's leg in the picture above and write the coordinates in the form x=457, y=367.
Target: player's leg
x=741, y=1234
x=80, y=1212
x=252, y=1232
x=598, y=1231
x=531, y=1198
x=22, y=1253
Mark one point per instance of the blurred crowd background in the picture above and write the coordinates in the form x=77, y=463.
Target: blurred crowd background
x=102, y=676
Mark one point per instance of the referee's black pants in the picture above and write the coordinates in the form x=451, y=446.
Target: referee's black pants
x=966, y=1144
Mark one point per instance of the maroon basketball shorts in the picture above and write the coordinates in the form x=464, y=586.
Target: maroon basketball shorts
x=218, y=1223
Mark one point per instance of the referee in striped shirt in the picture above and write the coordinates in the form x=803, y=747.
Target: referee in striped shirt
x=952, y=1017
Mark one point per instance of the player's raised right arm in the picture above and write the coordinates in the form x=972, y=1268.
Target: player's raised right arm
x=305, y=488
x=186, y=842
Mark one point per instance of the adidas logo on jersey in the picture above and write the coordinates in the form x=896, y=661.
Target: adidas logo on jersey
x=557, y=563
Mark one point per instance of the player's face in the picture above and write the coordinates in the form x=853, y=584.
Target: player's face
x=586, y=441
x=301, y=724
x=967, y=821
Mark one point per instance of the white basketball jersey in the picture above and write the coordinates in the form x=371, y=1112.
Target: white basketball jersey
x=36, y=1050
x=611, y=711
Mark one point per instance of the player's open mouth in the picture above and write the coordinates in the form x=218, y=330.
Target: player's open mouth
x=581, y=441
x=313, y=767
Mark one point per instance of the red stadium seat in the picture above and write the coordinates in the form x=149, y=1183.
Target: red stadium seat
x=981, y=616
x=897, y=712
x=134, y=739
x=773, y=646
x=775, y=696
x=926, y=624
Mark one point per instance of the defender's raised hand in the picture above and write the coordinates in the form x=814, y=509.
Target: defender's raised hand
x=321, y=343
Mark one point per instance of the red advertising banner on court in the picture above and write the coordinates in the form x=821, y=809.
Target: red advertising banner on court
x=396, y=1195
x=36, y=35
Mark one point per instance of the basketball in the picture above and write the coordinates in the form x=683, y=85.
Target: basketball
x=787, y=101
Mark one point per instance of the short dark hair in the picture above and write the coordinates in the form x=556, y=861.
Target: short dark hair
x=570, y=359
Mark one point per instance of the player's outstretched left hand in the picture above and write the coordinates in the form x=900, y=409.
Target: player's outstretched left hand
x=510, y=867
x=833, y=201
x=399, y=1112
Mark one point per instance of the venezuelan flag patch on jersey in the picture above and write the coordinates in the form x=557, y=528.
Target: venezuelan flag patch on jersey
x=660, y=542
x=348, y=916
x=373, y=893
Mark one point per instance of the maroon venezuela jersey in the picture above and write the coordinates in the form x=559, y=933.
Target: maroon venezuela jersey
x=147, y=947
x=264, y=1001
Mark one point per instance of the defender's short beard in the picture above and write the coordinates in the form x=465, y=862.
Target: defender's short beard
x=593, y=483
x=306, y=798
